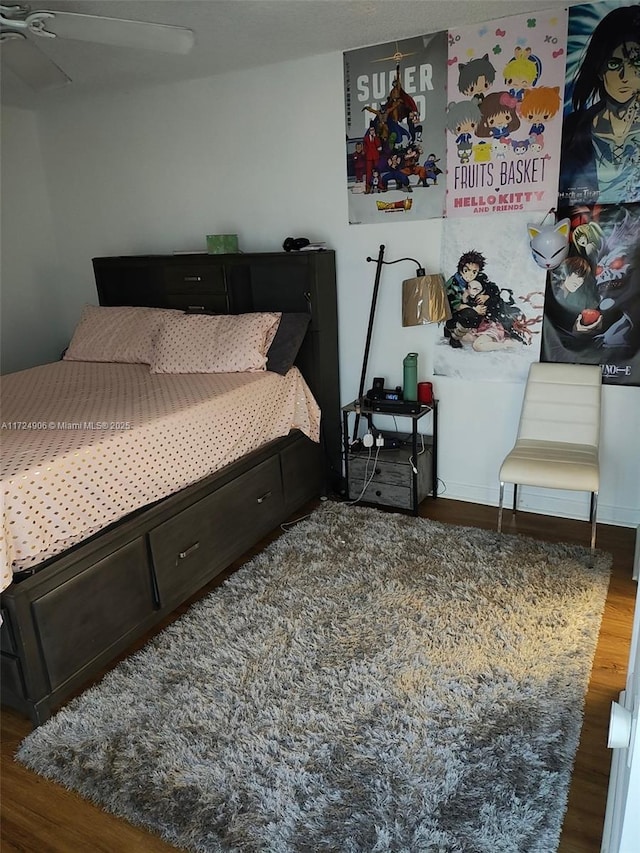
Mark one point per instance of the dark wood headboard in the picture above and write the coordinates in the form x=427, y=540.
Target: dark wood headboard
x=235, y=284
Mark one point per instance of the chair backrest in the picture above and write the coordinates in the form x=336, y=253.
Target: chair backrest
x=562, y=403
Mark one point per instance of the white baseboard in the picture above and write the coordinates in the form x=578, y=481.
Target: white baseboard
x=546, y=502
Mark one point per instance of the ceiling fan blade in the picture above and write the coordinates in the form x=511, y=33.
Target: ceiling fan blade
x=136, y=34
x=30, y=64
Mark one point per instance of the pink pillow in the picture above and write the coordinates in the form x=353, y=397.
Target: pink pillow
x=222, y=343
x=120, y=334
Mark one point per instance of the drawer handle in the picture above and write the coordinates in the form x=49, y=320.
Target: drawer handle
x=195, y=308
x=193, y=278
x=189, y=551
x=264, y=497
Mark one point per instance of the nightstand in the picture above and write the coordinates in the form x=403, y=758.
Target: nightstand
x=401, y=474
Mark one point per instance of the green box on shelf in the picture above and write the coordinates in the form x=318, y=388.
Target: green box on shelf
x=222, y=244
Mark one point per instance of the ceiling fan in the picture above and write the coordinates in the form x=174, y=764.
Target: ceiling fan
x=18, y=23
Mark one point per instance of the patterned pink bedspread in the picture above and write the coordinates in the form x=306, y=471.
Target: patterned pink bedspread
x=84, y=444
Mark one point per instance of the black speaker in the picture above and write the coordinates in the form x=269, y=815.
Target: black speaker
x=295, y=243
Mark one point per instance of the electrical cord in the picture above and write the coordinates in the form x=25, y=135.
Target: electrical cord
x=287, y=525
x=444, y=487
x=368, y=479
x=420, y=452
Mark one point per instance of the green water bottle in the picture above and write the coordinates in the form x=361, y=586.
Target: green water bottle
x=410, y=383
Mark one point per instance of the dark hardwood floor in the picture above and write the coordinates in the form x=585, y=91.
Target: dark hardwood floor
x=38, y=816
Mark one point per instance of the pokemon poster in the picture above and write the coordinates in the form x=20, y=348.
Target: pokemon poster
x=395, y=100
x=600, y=160
x=496, y=294
x=504, y=114
x=592, y=305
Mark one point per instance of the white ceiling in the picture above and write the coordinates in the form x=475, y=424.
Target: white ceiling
x=231, y=35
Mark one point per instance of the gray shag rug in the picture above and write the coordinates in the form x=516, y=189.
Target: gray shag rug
x=370, y=682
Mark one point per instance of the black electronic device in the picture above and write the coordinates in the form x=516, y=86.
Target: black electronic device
x=379, y=392
x=392, y=407
x=294, y=244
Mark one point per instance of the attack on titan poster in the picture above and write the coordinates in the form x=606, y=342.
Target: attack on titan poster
x=601, y=129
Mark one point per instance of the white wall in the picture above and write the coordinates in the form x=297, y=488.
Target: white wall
x=262, y=154
x=30, y=296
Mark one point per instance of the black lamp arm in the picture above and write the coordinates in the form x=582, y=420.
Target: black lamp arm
x=420, y=270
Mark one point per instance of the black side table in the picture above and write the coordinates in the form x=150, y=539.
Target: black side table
x=392, y=477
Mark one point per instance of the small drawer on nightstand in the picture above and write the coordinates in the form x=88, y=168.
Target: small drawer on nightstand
x=383, y=472
x=378, y=492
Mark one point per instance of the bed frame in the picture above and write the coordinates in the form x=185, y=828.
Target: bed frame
x=69, y=617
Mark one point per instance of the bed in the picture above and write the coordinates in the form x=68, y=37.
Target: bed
x=120, y=504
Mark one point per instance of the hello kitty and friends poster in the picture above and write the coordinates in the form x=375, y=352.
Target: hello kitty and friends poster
x=505, y=86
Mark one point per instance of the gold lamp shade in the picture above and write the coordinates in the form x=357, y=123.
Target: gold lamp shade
x=424, y=300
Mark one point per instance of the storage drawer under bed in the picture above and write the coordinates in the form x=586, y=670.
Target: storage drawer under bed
x=73, y=619
x=198, y=543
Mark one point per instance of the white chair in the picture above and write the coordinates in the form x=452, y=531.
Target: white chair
x=559, y=434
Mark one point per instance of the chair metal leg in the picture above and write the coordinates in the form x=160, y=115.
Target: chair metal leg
x=500, y=507
x=515, y=497
x=594, y=508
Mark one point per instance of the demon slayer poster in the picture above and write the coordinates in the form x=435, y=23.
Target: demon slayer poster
x=592, y=306
x=394, y=111
x=600, y=160
x=504, y=113
x=496, y=294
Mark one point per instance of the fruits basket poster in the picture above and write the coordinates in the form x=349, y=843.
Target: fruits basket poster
x=504, y=113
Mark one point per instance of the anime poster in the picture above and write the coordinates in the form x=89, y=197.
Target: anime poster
x=504, y=113
x=395, y=100
x=592, y=306
x=496, y=294
x=600, y=160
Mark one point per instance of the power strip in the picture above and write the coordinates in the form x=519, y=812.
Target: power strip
x=391, y=442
